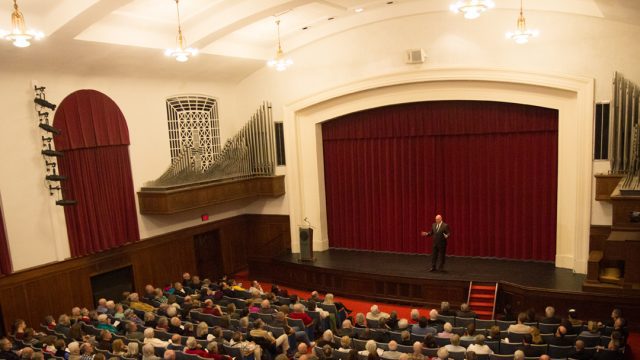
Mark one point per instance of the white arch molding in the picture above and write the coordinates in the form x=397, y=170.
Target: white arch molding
x=572, y=96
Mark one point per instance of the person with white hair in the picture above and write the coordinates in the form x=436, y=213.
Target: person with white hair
x=466, y=312
x=403, y=324
x=149, y=338
x=104, y=323
x=393, y=352
x=371, y=347
x=445, y=309
x=133, y=350
x=376, y=314
x=447, y=331
x=74, y=350
x=434, y=321
x=193, y=348
x=518, y=355
x=479, y=347
x=550, y=316
x=265, y=307
x=346, y=329
x=360, y=321
x=148, y=352
x=255, y=286
x=326, y=339
x=102, y=306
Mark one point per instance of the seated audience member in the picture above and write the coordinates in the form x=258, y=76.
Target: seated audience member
x=414, y=316
x=479, y=347
x=159, y=296
x=559, y=339
x=87, y=351
x=376, y=314
x=149, y=292
x=136, y=304
x=360, y=321
x=572, y=316
x=578, y=352
x=18, y=328
x=193, y=348
x=6, y=351
x=118, y=348
x=104, y=323
x=447, y=331
x=63, y=325
x=518, y=355
x=370, y=348
x=345, y=344
x=149, y=338
x=550, y=316
x=443, y=354
x=255, y=286
x=329, y=300
x=531, y=315
x=265, y=307
x=346, y=329
x=119, y=312
x=49, y=322
x=265, y=339
x=213, y=349
x=592, y=330
x=465, y=311
x=455, y=344
x=132, y=332
x=102, y=306
x=392, y=321
x=405, y=338
x=111, y=308
x=469, y=332
x=326, y=339
x=393, y=352
x=417, y=352
x=175, y=343
x=169, y=355
x=60, y=349
x=422, y=328
x=162, y=324
x=536, y=337
x=26, y=353
x=175, y=326
x=148, y=352
x=75, y=332
x=218, y=336
x=494, y=333
x=315, y=296
x=133, y=350
x=615, y=314
x=520, y=327
x=403, y=324
x=433, y=321
x=445, y=309
x=104, y=340
x=303, y=351
x=611, y=352
x=202, y=330
x=327, y=352
x=249, y=349
x=298, y=313
x=74, y=351
x=131, y=316
x=429, y=342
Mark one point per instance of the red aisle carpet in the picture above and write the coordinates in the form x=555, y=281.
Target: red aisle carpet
x=403, y=311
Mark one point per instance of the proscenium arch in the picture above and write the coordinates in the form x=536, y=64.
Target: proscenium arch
x=571, y=96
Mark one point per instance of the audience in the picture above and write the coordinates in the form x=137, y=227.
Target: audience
x=174, y=318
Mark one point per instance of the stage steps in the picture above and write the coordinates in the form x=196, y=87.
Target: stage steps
x=482, y=298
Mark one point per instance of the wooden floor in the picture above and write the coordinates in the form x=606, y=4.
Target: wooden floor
x=541, y=275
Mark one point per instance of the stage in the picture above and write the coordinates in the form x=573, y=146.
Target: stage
x=405, y=279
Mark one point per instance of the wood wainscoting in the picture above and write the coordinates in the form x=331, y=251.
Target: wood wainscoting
x=55, y=288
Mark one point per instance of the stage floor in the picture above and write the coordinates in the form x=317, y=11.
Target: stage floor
x=524, y=273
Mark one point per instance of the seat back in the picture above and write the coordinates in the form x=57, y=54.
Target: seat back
x=442, y=341
x=557, y=352
x=537, y=349
x=405, y=349
x=358, y=344
x=184, y=356
x=267, y=318
x=373, y=324
x=484, y=324
x=515, y=337
x=457, y=355
x=447, y=319
x=548, y=328
x=296, y=323
x=504, y=325
x=590, y=341
x=429, y=352
x=509, y=348
x=462, y=321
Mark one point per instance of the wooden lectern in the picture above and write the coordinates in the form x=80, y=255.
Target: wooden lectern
x=306, y=244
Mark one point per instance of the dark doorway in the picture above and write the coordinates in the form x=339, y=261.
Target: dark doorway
x=209, y=255
x=3, y=332
x=111, y=285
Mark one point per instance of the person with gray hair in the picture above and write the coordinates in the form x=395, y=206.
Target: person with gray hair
x=417, y=352
x=447, y=331
x=369, y=348
x=415, y=315
x=403, y=324
x=169, y=355
x=149, y=338
x=148, y=352
x=347, y=329
x=518, y=355
x=550, y=316
x=104, y=323
x=360, y=323
x=376, y=314
x=466, y=312
x=479, y=347
x=393, y=352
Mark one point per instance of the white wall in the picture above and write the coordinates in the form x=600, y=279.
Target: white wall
x=35, y=226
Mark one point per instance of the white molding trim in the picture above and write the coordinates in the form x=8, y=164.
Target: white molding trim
x=572, y=96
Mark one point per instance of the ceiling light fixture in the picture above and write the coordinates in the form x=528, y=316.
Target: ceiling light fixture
x=522, y=35
x=472, y=9
x=180, y=53
x=359, y=10
x=19, y=35
x=280, y=63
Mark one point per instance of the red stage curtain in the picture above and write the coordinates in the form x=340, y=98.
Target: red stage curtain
x=5, y=256
x=95, y=143
x=489, y=168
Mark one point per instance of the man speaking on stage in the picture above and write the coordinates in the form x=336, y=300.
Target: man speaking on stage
x=440, y=232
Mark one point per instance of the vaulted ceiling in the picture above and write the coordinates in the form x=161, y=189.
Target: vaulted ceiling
x=235, y=37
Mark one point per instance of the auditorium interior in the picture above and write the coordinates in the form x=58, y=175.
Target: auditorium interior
x=310, y=143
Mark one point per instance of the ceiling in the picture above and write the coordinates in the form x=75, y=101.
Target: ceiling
x=239, y=35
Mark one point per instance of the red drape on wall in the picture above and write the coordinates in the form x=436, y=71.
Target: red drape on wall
x=5, y=256
x=489, y=168
x=95, y=143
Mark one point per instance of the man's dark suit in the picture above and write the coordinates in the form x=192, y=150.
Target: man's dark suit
x=439, y=244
